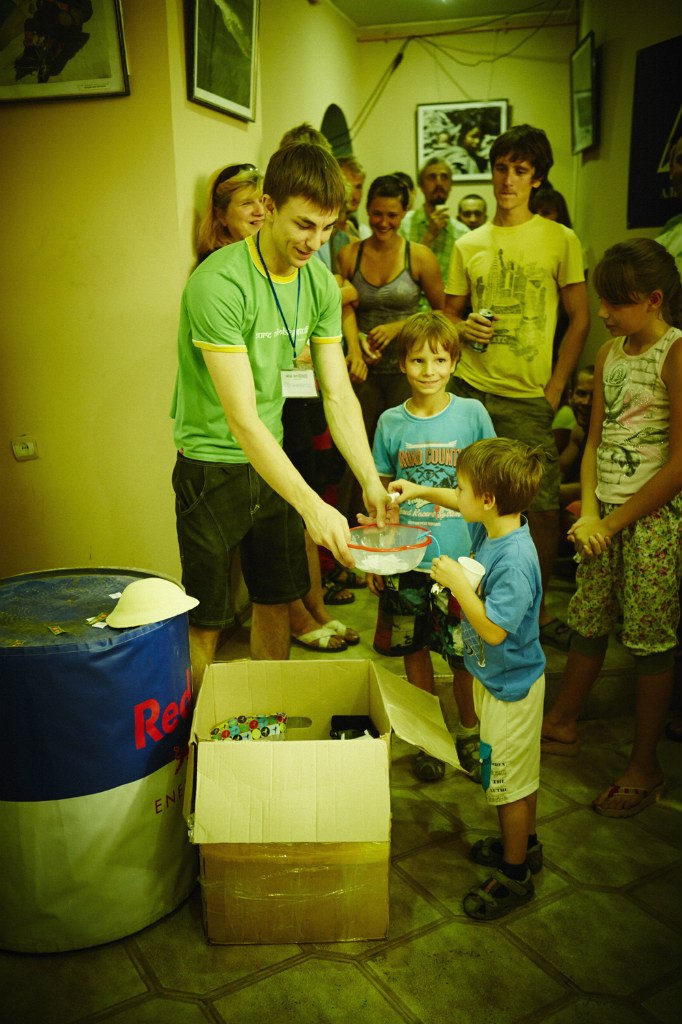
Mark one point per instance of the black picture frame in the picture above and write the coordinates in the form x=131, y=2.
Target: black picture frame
x=440, y=127
x=651, y=198
x=44, y=59
x=222, y=49
x=584, y=95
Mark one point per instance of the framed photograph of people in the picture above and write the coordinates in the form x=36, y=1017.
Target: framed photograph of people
x=223, y=43
x=584, y=96
x=461, y=133
x=55, y=51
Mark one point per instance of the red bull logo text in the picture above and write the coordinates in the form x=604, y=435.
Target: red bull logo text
x=155, y=722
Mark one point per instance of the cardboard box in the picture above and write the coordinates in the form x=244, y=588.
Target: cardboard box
x=295, y=836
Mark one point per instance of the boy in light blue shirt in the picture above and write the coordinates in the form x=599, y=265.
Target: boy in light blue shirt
x=496, y=480
x=421, y=440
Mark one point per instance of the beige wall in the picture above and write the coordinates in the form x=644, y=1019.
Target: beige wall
x=534, y=81
x=92, y=272
x=101, y=198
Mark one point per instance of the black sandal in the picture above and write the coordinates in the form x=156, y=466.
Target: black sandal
x=334, y=594
x=346, y=578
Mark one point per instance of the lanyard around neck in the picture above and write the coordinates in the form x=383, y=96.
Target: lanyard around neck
x=292, y=337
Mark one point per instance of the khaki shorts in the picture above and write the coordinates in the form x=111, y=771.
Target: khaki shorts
x=528, y=420
x=510, y=743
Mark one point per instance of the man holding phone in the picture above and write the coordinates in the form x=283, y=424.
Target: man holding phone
x=432, y=224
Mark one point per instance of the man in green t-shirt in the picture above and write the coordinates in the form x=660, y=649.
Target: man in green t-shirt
x=248, y=313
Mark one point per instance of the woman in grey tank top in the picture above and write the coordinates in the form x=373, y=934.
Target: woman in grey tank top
x=389, y=274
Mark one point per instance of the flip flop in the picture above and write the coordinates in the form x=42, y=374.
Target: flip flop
x=646, y=798
x=345, y=632
x=318, y=640
x=559, y=748
x=557, y=634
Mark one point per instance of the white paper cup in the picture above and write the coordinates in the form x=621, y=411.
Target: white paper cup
x=473, y=570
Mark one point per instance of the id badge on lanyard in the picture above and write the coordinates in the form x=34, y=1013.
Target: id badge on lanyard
x=300, y=381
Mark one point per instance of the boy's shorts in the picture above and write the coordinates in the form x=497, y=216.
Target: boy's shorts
x=510, y=743
x=221, y=507
x=410, y=618
x=528, y=420
x=639, y=576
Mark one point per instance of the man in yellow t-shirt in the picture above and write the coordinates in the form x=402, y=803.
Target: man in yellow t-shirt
x=521, y=266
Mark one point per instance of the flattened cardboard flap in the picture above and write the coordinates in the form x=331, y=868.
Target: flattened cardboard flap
x=317, y=792
x=416, y=717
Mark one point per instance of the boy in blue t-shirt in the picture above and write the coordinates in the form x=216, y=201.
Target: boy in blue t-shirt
x=497, y=480
x=420, y=440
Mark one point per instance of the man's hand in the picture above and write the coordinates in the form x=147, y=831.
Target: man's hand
x=329, y=528
x=476, y=329
x=438, y=219
x=553, y=394
x=378, y=504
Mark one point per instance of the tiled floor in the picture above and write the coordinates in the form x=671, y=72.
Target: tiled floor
x=600, y=943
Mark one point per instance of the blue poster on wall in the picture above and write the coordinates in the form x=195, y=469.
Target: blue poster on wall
x=656, y=126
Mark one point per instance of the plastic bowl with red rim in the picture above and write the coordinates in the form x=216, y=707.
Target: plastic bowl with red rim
x=392, y=549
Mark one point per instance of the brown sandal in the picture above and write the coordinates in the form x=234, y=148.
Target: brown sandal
x=320, y=640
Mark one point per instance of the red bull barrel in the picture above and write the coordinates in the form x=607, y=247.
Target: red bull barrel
x=94, y=735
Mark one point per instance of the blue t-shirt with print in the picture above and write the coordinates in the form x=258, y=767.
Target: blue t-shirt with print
x=425, y=449
x=511, y=591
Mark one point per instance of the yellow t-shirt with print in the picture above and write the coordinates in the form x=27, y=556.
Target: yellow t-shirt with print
x=517, y=272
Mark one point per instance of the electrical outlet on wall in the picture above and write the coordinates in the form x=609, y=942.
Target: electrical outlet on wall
x=24, y=447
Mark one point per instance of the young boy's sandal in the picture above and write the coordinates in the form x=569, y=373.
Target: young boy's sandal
x=427, y=768
x=482, y=903
x=490, y=854
x=468, y=753
x=645, y=797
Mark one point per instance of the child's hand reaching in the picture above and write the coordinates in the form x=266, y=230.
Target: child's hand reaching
x=404, y=490
x=375, y=583
x=591, y=536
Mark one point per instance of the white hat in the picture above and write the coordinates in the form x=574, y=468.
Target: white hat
x=149, y=600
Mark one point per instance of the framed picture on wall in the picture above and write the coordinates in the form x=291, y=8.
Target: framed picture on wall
x=53, y=51
x=584, y=95
x=222, y=41
x=462, y=134
x=651, y=197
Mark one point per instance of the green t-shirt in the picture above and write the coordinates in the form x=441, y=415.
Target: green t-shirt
x=228, y=306
x=517, y=272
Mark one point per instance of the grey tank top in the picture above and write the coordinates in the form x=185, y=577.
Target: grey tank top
x=384, y=303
